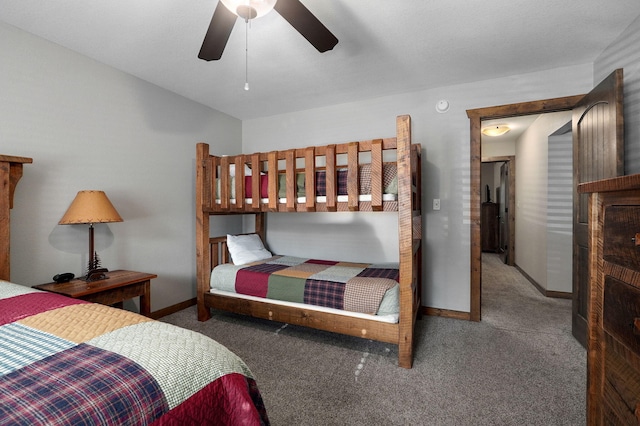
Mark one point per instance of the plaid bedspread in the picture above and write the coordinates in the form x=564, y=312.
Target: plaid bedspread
x=357, y=287
x=69, y=362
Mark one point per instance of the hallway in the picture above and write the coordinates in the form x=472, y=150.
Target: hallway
x=511, y=302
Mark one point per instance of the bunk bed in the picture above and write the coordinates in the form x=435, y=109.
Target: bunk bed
x=65, y=361
x=379, y=175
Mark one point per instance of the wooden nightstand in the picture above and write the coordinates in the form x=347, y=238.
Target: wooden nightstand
x=119, y=286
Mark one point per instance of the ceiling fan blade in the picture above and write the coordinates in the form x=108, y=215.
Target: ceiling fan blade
x=306, y=24
x=218, y=33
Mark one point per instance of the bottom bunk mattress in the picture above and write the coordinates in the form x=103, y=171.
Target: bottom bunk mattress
x=355, y=289
x=67, y=362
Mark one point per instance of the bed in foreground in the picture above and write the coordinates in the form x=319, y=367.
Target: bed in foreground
x=65, y=361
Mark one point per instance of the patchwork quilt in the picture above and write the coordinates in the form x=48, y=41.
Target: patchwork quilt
x=69, y=362
x=356, y=287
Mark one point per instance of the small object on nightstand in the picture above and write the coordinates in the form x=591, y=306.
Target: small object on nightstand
x=65, y=277
x=96, y=274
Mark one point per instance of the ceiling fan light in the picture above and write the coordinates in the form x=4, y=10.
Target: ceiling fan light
x=496, y=130
x=249, y=9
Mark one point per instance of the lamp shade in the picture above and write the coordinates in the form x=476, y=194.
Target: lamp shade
x=90, y=207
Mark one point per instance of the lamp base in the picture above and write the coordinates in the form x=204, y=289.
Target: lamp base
x=96, y=274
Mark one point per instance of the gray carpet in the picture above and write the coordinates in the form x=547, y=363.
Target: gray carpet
x=519, y=366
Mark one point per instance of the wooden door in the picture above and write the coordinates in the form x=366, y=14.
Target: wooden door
x=598, y=153
x=504, y=212
x=489, y=226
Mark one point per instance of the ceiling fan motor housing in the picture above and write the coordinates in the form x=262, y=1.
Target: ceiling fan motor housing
x=249, y=9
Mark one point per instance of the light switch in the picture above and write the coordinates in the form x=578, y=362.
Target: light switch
x=436, y=203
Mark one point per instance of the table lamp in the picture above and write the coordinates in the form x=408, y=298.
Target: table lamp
x=91, y=207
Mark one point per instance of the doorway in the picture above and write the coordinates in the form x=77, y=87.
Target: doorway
x=476, y=116
x=543, y=233
x=504, y=196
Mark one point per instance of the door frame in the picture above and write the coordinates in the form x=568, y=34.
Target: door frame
x=511, y=179
x=476, y=116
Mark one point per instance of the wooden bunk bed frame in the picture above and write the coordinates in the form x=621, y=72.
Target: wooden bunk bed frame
x=10, y=174
x=211, y=251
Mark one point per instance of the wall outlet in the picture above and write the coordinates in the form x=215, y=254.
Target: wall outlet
x=436, y=203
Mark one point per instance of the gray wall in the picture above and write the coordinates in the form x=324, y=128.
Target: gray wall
x=88, y=126
x=560, y=213
x=624, y=53
x=446, y=174
x=532, y=179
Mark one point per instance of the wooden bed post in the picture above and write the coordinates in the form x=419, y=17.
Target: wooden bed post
x=203, y=255
x=405, y=241
x=10, y=174
x=260, y=226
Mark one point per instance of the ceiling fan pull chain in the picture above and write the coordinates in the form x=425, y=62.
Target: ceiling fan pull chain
x=246, y=55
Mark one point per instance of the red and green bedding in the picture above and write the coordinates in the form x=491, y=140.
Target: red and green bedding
x=389, y=183
x=351, y=287
x=69, y=362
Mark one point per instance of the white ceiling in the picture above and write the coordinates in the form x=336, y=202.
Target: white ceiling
x=385, y=47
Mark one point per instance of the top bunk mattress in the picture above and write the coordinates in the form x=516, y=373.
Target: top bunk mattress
x=389, y=182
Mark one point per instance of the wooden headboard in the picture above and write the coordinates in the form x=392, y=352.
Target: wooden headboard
x=10, y=174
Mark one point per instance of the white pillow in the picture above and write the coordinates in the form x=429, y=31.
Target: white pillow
x=232, y=170
x=246, y=248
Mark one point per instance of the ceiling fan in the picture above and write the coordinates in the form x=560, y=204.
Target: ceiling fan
x=294, y=12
